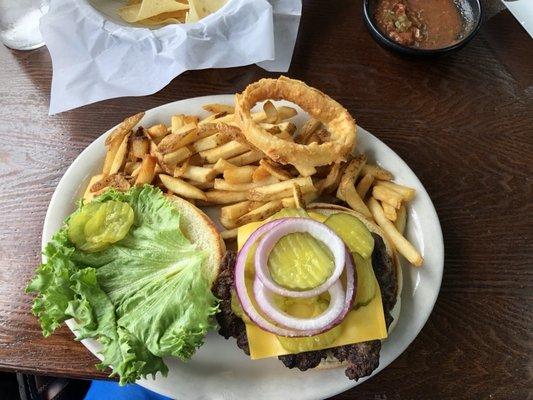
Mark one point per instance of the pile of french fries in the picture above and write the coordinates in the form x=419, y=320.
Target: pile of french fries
x=209, y=162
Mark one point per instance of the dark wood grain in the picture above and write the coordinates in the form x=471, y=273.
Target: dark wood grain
x=464, y=123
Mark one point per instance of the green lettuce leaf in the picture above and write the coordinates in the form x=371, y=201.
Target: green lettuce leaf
x=143, y=298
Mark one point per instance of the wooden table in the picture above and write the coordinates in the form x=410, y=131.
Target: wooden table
x=464, y=123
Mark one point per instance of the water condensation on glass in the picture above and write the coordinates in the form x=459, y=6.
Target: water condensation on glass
x=19, y=23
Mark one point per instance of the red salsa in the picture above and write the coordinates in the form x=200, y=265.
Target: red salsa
x=426, y=24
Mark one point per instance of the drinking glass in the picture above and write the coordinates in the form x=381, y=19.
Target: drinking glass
x=19, y=23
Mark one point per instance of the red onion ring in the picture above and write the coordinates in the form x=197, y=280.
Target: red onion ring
x=287, y=226
x=322, y=321
x=262, y=322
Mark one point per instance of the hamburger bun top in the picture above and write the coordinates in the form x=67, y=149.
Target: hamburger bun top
x=203, y=233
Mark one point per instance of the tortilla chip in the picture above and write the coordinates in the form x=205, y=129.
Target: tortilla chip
x=202, y=8
x=150, y=8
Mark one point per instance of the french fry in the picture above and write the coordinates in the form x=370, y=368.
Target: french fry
x=332, y=180
x=389, y=211
x=299, y=201
x=347, y=190
x=123, y=129
x=228, y=223
x=180, y=121
x=181, y=137
x=310, y=127
x=239, y=174
x=211, y=141
x=284, y=135
x=136, y=171
x=407, y=193
x=221, y=184
x=229, y=234
x=260, y=213
x=323, y=135
x=377, y=172
x=275, y=170
x=180, y=169
x=225, y=151
x=202, y=185
x=364, y=184
x=401, y=219
x=404, y=247
x=140, y=145
x=289, y=202
x=153, y=148
x=284, y=113
x=387, y=195
x=304, y=170
x=131, y=166
x=280, y=190
x=157, y=132
x=146, y=172
x=225, y=197
x=312, y=139
x=110, y=156
x=221, y=165
x=88, y=195
x=182, y=188
x=216, y=108
x=177, y=156
x=276, y=129
x=236, y=210
x=204, y=132
x=350, y=173
x=211, y=121
x=120, y=156
x=260, y=174
x=198, y=174
x=249, y=157
x=117, y=181
x=271, y=112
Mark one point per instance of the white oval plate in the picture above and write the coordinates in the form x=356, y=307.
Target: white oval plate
x=220, y=370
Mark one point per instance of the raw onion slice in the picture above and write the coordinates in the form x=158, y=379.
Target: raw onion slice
x=316, y=229
x=323, y=321
x=262, y=322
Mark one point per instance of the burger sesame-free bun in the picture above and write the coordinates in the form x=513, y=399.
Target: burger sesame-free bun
x=203, y=233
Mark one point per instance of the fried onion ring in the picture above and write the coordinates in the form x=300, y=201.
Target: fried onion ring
x=305, y=158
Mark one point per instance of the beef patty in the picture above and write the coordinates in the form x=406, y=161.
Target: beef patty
x=362, y=358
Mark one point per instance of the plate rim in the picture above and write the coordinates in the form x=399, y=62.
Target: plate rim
x=437, y=241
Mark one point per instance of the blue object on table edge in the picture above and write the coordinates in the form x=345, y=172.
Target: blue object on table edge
x=105, y=390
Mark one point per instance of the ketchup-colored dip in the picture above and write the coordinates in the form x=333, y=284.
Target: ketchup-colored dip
x=426, y=24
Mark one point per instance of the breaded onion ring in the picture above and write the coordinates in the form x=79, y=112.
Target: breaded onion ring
x=305, y=158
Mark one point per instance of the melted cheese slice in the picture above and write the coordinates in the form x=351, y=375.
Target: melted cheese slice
x=360, y=325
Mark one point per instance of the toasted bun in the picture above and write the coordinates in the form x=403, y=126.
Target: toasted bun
x=328, y=209
x=201, y=231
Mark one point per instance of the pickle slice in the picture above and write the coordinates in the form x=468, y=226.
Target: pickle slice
x=96, y=225
x=298, y=261
x=237, y=308
x=366, y=281
x=308, y=308
x=353, y=232
x=289, y=213
x=77, y=222
x=110, y=223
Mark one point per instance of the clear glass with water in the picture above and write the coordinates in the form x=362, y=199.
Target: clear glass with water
x=19, y=23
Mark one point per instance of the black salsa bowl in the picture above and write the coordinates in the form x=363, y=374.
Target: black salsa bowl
x=471, y=13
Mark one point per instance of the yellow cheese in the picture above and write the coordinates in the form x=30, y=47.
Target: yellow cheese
x=361, y=325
